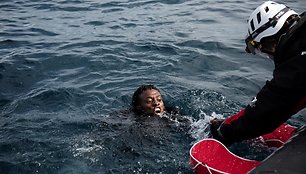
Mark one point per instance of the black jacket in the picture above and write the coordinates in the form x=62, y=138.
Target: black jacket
x=280, y=98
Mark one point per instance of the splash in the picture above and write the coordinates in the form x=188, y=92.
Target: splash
x=87, y=149
x=176, y=118
x=200, y=129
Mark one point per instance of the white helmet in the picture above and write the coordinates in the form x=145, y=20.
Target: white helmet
x=266, y=20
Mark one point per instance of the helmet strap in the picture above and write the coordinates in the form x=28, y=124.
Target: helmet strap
x=269, y=44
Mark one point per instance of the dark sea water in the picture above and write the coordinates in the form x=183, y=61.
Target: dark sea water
x=68, y=69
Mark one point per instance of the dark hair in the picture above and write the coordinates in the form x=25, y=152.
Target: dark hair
x=137, y=93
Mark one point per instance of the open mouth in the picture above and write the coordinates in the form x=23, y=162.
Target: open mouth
x=157, y=111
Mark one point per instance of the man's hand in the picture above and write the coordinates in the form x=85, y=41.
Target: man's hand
x=215, y=129
x=216, y=122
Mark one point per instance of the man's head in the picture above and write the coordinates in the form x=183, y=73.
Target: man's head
x=267, y=23
x=148, y=100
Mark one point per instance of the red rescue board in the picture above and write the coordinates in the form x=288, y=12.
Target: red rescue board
x=210, y=156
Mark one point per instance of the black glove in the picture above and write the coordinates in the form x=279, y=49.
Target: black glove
x=215, y=130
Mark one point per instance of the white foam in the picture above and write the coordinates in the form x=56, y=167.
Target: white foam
x=200, y=129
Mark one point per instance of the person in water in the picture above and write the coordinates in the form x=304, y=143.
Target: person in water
x=147, y=99
x=279, y=33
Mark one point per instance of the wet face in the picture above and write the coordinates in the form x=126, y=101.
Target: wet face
x=151, y=102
